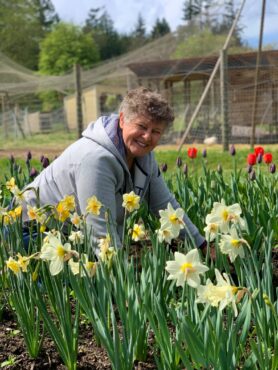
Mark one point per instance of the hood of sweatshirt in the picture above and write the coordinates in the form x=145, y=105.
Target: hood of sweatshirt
x=106, y=132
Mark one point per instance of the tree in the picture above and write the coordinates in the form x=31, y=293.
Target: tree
x=46, y=14
x=160, y=28
x=191, y=8
x=205, y=43
x=101, y=28
x=20, y=32
x=227, y=21
x=64, y=46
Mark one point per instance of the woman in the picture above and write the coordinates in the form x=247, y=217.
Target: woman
x=114, y=157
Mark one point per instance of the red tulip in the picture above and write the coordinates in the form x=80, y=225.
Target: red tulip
x=192, y=152
x=259, y=150
x=251, y=159
x=267, y=158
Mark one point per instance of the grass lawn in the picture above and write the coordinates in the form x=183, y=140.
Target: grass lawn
x=53, y=144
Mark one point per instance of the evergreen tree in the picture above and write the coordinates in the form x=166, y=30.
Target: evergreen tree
x=191, y=8
x=227, y=20
x=139, y=36
x=46, y=13
x=101, y=28
x=160, y=28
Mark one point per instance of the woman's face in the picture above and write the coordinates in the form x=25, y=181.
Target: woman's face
x=141, y=135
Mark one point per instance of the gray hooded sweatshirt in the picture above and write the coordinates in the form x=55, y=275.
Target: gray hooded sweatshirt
x=95, y=165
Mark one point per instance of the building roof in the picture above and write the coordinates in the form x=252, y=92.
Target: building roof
x=181, y=67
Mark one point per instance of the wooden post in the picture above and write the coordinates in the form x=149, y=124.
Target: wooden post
x=275, y=107
x=78, y=89
x=4, y=114
x=224, y=99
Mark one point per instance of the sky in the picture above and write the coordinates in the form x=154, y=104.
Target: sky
x=124, y=14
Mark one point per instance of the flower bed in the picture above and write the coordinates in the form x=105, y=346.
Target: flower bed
x=163, y=304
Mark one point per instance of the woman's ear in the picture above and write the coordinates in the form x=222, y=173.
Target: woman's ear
x=121, y=120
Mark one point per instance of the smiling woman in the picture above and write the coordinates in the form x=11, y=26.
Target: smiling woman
x=114, y=157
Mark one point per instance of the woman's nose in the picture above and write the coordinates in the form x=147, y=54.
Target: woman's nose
x=147, y=135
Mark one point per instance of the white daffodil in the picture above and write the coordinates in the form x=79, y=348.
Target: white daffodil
x=18, y=194
x=219, y=295
x=138, y=232
x=55, y=252
x=106, y=250
x=90, y=266
x=131, y=201
x=232, y=245
x=76, y=220
x=224, y=215
x=211, y=231
x=173, y=218
x=166, y=233
x=76, y=237
x=186, y=268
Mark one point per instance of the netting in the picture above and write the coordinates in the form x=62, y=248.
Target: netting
x=155, y=65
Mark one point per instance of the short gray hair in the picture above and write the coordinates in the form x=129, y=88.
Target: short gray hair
x=145, y=102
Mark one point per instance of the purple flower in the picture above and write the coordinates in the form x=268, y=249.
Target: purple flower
x=204, y=153
x=29, y=156
x=249, y=168
x=45, y=162
x=272, y=168
x=185, y=169
x=179, y=162
x=259, y=158
x=252, y=175
x=33, y=172
x=12, y=158
x=164, y=167
x=232, y=150
x=42, y=158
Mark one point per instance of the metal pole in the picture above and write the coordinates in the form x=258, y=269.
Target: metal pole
x=253, y=132
x=217, y=64
x=224, y=100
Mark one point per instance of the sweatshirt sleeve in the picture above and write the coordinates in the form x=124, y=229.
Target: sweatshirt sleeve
x=159, y=198
x=99, y=175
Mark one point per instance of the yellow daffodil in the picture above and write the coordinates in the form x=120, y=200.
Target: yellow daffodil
x=69, y=202
x=62, y=212
x=138, y=232
x=131, y=201
x=10, y=185
x=232, y=245
x=219, y=295
x=55, y=252
x=93, y=206
x=186, y=268
x=13, y=265
x=173, y=218
x=32, y=212
x=23, y=262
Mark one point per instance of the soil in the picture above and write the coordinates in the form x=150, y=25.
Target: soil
x=90, y=354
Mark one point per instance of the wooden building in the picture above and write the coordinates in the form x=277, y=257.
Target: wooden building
x=182, y=81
